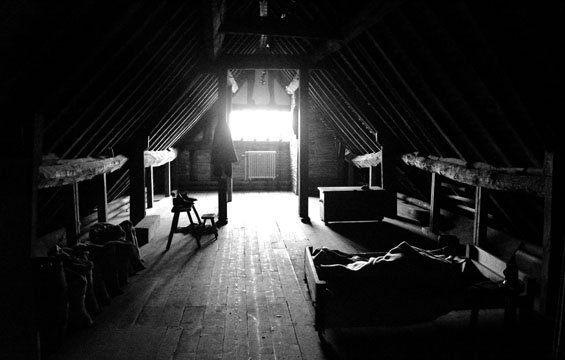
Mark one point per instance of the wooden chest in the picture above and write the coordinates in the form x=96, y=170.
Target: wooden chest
x=352, y=203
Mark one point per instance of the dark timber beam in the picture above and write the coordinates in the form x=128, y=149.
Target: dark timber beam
x=261, y=61
x=435, y=209
x=167, y=179
x=553, y=231
x=212, y=13
x=137, y=177
x=229, y=90
x=222, y=116
x=351, y=174
x=388, y=171
x=366, y=18
x=72, y=218
x=102, y=197
x=303, y=150
x=18, y=225
x=481, y=216
x=150, y=186
x=552, y=241
x=276, y=27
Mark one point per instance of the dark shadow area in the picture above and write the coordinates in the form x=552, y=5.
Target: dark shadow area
x=448, y=337
x=380, y=236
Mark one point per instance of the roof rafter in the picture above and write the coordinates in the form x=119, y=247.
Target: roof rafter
x=213, y=39
x=366, y=17
x=276, y=27
x=262, y=61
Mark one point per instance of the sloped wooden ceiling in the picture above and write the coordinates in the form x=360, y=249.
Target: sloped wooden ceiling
x=476, y=80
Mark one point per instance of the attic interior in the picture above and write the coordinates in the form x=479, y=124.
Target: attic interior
x=407, y=119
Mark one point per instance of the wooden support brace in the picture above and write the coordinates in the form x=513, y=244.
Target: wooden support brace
x=480, y=219
x=303, y=151
x=373, y=176
x=435, y=209
x=102, y=197
x=18, y=224
x=137, y=177
x=551, y=243
x=167, y=179
x=222, y=116
x=229, y=96
x=73, y=216
x=388, y=172
x=222, y=202
x=149, y=184
x=350, y=174
x=229, y=194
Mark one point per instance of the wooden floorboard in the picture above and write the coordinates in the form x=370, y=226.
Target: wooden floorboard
x=243, y=296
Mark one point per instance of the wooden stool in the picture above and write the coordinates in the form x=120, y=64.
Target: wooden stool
x=193, y=229
x=212, y=218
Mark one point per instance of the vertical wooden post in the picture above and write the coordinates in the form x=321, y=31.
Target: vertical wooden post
x=222, y=116
x=137, y=177
x=552, y=268
x=480, y=219
x=388, y=171
x=72, y=223
x=303, y=144
x=18, y=226
x=435, y=210
x=229, y=189
x=174, y=176
x=167, y=179
x=350, y=174
x=102, y=197
x=340, y=162
x=222, y=201
x=229, y=179
x=372, y=176
x=150, y=186
x=558, y=348
x=554, y=252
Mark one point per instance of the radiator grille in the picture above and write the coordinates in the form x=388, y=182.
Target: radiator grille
x=260, y=165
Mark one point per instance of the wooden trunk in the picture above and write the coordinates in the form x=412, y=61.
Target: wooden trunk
x=352, y=203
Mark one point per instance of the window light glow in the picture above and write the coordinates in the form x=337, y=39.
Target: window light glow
x=261, y=125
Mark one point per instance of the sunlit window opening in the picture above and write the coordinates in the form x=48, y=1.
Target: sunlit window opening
x=261, y=125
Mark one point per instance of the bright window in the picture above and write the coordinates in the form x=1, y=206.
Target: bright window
x=261, y=125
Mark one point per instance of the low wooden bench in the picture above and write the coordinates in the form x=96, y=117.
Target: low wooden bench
x=146, y=229
x=212, y=228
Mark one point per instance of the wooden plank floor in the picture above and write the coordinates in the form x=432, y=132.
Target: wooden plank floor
x=243, y=296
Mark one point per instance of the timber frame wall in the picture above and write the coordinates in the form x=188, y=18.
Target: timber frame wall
x=541, y=182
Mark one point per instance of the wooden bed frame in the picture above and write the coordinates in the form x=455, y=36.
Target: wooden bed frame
x=330, y=312
x=335, y=312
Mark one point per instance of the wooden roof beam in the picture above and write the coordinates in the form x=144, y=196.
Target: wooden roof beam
x=212, y=15
x=276, y=27
x=262, y=61
x=366, y=18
